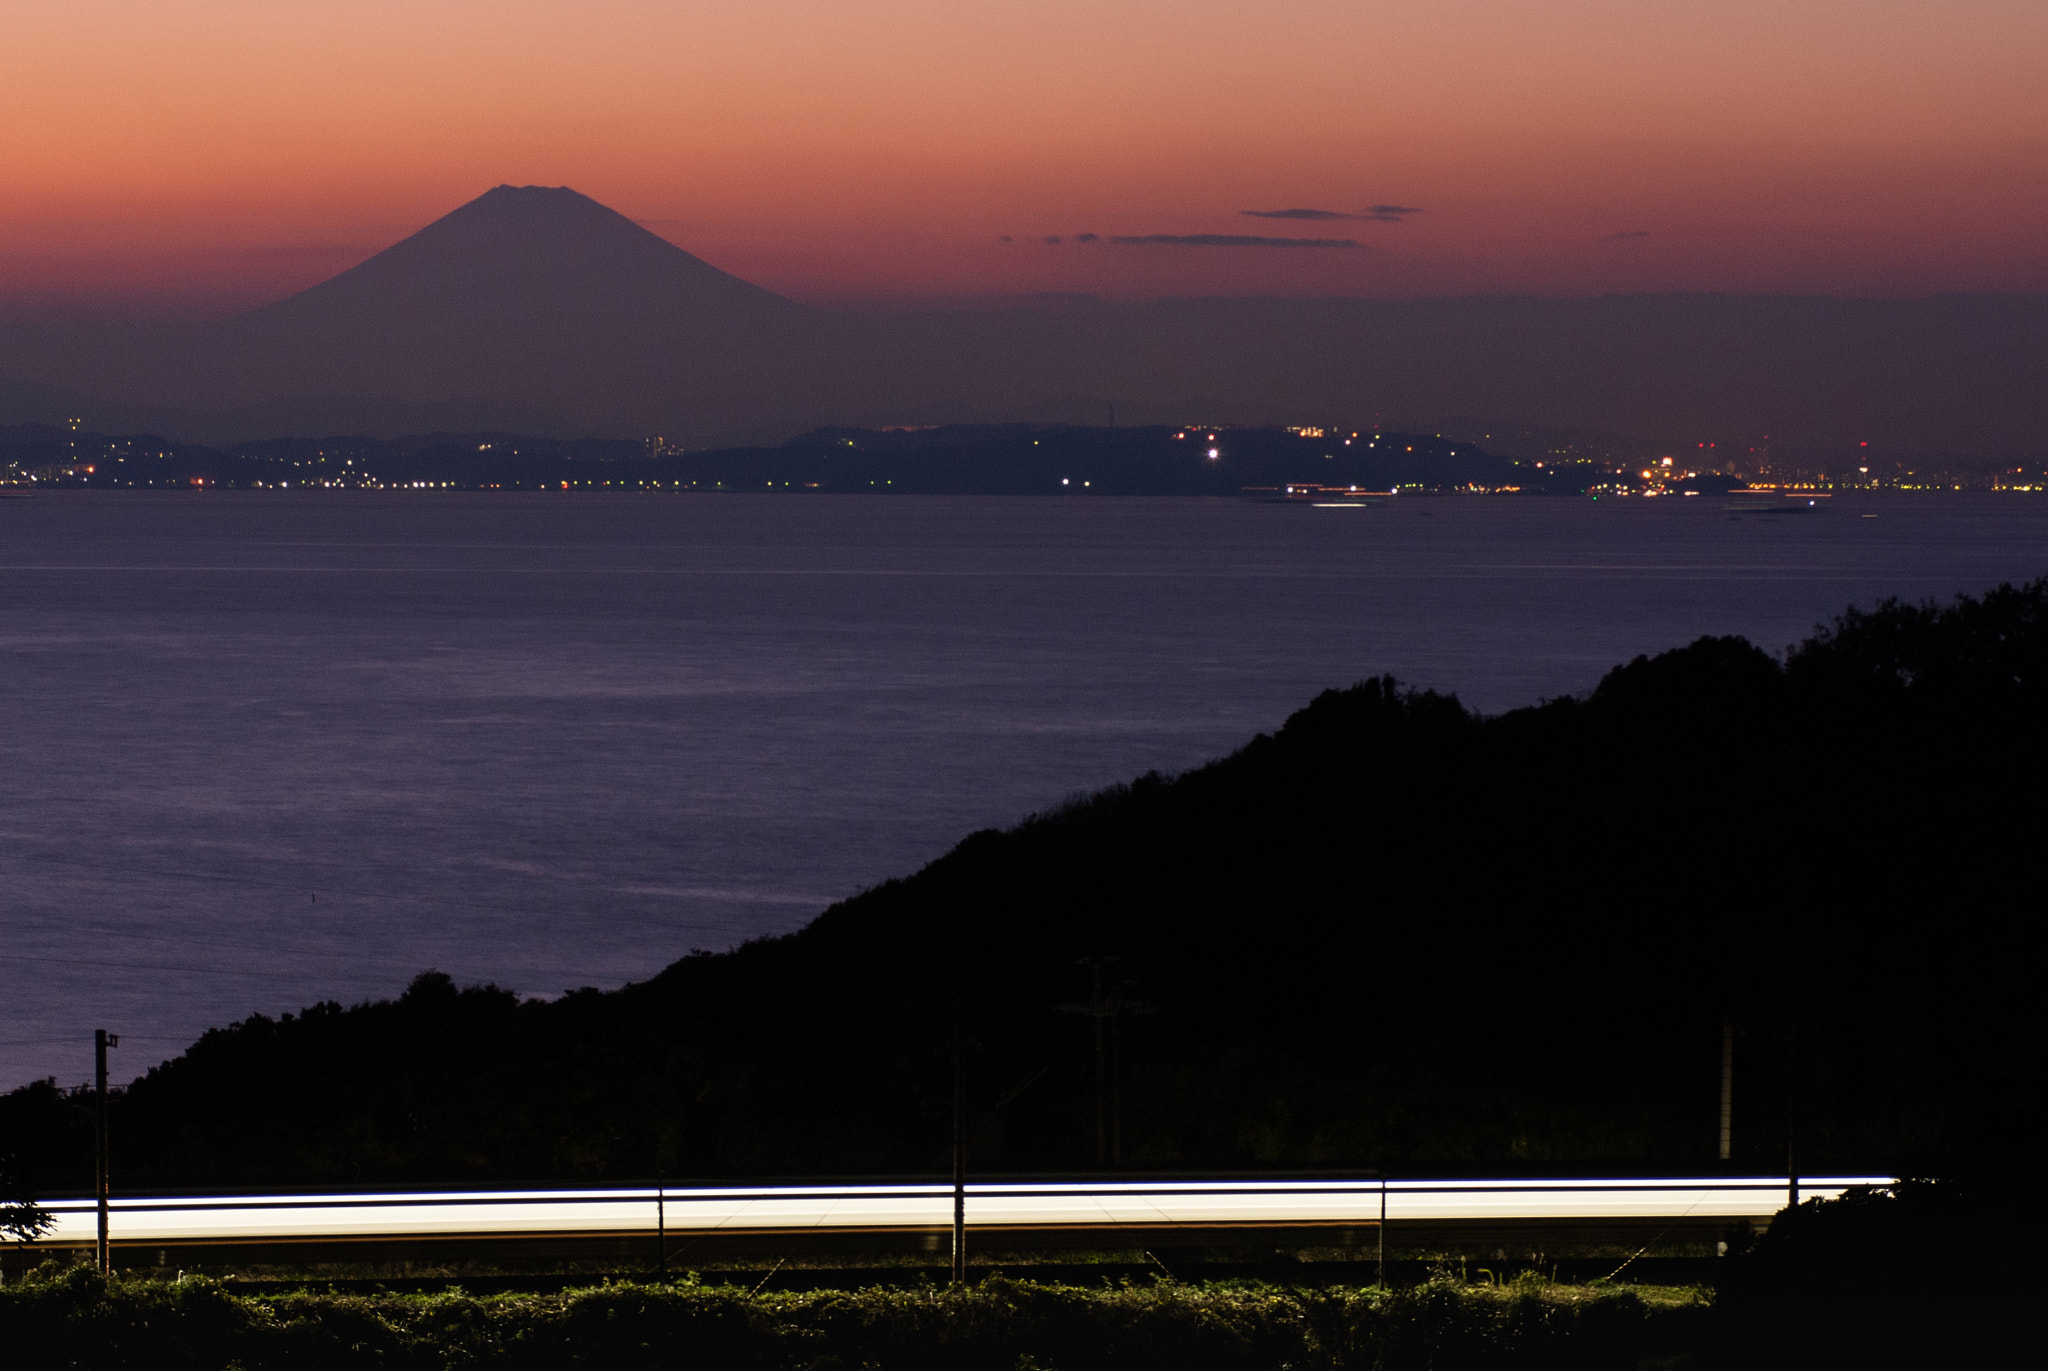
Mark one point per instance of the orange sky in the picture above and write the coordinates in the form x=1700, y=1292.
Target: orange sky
x=216, y=152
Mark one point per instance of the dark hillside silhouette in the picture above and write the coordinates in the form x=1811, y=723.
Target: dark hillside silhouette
x=1393, y=932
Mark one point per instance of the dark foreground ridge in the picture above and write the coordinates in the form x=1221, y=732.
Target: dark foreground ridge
x=1393, y=933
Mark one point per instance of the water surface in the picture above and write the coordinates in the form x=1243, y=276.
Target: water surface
x=265, y=749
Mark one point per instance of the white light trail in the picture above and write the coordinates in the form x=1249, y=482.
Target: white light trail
x=243, y=1218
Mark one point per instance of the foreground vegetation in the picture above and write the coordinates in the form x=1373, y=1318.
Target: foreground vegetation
x=80, y=1320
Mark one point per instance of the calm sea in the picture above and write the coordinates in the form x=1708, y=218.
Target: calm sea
x=261, y=749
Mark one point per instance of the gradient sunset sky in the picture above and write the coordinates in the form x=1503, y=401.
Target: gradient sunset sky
x=207, y=154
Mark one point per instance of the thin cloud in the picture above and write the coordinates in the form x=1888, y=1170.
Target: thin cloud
x=1087, y=237
x=1297, y=214
x=1229, y=240
x=1385, y=214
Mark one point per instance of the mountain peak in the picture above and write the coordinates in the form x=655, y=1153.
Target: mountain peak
x=531, y=251
x=534, y=202
x=505, y=190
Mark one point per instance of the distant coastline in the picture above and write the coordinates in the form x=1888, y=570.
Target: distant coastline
x=1296, y=463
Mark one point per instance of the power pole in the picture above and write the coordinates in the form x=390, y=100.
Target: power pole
x=1098, y=1011
x=1383, y=1230
x=1109, y=1050
x=1792, y=1118
x=661, y=1219
x=1109, y=1113
x=1116, y=1089
x=959, y=1166
x=1727, y=1087
x=101, y=1041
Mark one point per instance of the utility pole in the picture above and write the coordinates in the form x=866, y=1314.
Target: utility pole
x=1098, y=1011
x=1109, y=1050
x=1792, y=1117
x=1727, y=1087
x=959, y=1166
x=101, y=1041
x=661, y=1219
x=1116, y=1089
x=1383, y=1230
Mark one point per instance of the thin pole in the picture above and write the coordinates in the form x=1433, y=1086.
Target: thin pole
x=1096, y=1012
x=1792, y=1116
x=1383, y=1231
x=1116, y=1090
x=100, y=1043
x=959, y=1167
x=1727, y=1088
x=661, y=1220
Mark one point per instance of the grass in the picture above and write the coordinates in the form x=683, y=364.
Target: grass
x=76, y=1319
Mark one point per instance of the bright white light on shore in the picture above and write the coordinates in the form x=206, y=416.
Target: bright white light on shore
x=1214, y=453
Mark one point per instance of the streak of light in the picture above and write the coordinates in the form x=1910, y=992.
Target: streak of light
x=240, y=1218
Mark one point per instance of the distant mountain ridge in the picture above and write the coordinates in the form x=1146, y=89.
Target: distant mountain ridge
x=1015, y=459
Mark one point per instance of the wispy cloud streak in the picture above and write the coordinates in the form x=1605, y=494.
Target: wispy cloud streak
x=1229, y=240
x=1385, y=214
